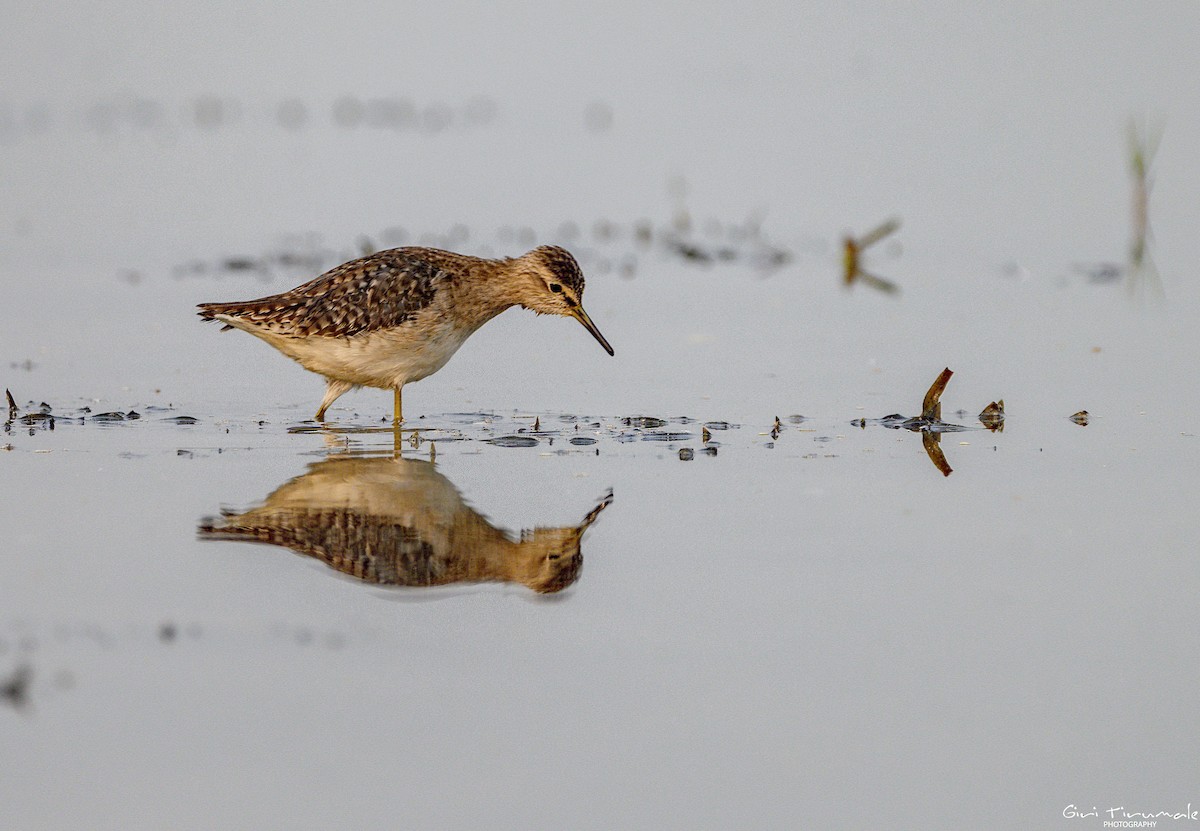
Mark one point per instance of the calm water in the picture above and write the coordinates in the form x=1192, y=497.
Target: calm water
x=805, y=626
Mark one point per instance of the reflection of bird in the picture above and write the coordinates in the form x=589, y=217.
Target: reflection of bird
x=397, y=316
x=401, y=522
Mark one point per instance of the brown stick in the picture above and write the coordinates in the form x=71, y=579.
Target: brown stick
x=932, y=406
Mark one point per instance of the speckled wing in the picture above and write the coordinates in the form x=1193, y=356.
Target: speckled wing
x=372, y=549
x=381, y=291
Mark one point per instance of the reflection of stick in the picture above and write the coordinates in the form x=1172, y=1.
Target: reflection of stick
x=878, y=282
x=871, y=237
x=852, y=248
x=932, y=442
x=931, y=407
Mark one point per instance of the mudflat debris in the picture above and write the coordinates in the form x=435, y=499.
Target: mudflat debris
x=992, y=416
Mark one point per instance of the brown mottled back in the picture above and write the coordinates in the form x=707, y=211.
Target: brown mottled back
x=372, y=549
x=377, y=292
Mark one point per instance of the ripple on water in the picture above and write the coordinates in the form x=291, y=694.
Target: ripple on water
x=644, y=422
x=513, y=441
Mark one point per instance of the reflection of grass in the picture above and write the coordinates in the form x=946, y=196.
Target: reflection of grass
x=1143, y=146
x=852, y=270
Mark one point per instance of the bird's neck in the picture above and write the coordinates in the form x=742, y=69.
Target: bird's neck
x=490, y=288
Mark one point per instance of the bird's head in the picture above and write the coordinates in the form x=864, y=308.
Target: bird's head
x=555, y=287
x=550, y=558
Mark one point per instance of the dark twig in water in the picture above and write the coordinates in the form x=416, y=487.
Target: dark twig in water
x=929, y=424
x=12, y=406
x=931, y=407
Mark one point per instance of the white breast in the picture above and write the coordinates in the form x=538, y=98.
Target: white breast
x=384, y=358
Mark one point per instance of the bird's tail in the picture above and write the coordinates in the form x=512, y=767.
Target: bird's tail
x=209, y=312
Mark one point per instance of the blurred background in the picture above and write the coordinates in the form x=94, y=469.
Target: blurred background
x=152, y=146
x=160, y=146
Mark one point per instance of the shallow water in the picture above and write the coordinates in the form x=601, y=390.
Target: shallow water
x=783, y=618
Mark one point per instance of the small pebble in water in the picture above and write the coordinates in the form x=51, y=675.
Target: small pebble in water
x=686, y=454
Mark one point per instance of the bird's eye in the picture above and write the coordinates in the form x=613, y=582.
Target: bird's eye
x=556, y=288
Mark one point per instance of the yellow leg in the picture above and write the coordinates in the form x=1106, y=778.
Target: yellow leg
x=399, y=415
x=333, y=391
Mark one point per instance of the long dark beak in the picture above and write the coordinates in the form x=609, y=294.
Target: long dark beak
x=579, y=314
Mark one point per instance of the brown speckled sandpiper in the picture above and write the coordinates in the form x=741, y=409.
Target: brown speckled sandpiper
x=397, y=316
